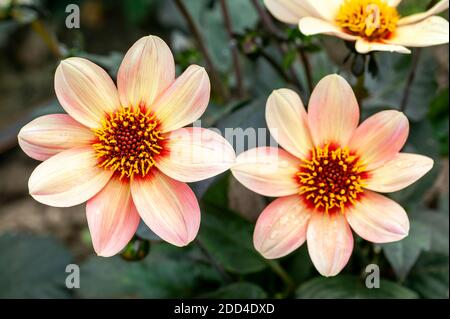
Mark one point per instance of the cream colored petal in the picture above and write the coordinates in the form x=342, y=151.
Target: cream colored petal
x=436, y=9
x=195, y=154
x=168, y=207
x=51, y=134
x=290, y=11
x=312, y=26
x=330, y=242
x=379, y=138
x=333, y=111
x=68, y=178
x=281, y=227
x=268, y=171
x=185, y=100
x=112, y=218
x=146, y=71
x=288, y=122
x=378, y=219
x=363, y=46
x=400, y=172
x=431, y=31
x=394, y=3
x=85, y=91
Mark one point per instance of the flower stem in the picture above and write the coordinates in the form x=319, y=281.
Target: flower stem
x=284, y=276
x=410, y=80
x=233, y=48
x=215, y=78
x=213, y=262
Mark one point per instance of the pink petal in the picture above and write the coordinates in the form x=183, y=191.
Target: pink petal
x=146, y=71
x=330, y=242
x=48, y=135
x=312, y=26
x=281, y=227
x=363, y=46
x=333, y=112
x=168, y=207
x=378, y=219
x=288, y=123
x=400, y=172
x=436, y=9
x=431, y=31
x=112, y=218
x=268, y=171
x=85, y=91
x=68, y=178
x=185, y=100
x=379, y=138
x=195, y=154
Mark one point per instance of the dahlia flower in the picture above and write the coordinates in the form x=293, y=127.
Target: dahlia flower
x=375, y=25
x=124, y=150
x=328, y=175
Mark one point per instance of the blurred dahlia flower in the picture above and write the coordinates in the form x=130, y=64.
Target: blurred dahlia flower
x=375, y=25
x=328, y=175
x=124, y=150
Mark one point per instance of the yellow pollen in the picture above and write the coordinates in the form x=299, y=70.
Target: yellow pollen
x=370, y=19
x=338, y=183
x=126, y=149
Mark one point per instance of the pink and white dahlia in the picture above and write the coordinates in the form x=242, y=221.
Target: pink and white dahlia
x=124, y=150
x=375, y=25
x=328, y=175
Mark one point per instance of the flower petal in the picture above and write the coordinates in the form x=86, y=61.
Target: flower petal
x=394, y=3
x=85, y=91
x=268, y=171
x=288, y=123
x=146, y=71
x=68, y=178
x=168, y=207
x=379, y=138
x=378, y=219
x=312, y=26
x=48, y=135
x=363, y=46
x=112, y=218
x=431, y=31
x=333, y=112
x=330, y=242
x=436, y=9
x=289, y=11
x=281, y=227
x=400, y=172
x=195, y=154
x=185, y=100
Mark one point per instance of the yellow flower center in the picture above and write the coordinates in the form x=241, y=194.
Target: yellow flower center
x=331, y=179
x=128, y=142
x=370, y=19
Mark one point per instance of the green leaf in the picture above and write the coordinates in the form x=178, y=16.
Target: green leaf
x=32, y=267
x=228, y=238
x=240, y=290
x=403, y=254
x=163, y=274
x=346, y=286
x=438, y=224
x=430, y=276
x=439, y=115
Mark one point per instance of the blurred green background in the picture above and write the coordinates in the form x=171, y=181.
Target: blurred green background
x=246, y=58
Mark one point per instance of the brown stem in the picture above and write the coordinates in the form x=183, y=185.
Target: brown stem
x=215, y=78
x=279, y=37
x=410, y=80
x=233, y=48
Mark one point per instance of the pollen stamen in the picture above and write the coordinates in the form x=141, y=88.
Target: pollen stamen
x=370, y=19
x=331, y=179
x=127, y=148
